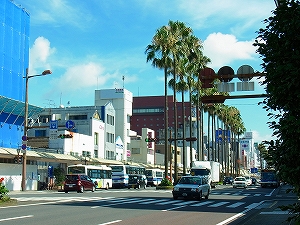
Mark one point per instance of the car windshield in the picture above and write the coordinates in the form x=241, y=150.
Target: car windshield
x=190, y=180
x=133, y=178
x=71, y=177
x=240, y=179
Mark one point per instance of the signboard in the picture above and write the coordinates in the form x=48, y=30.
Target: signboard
x=254, y=170
x=53, y=124
x=222, y=135
x=70, y=124
x=245, y=144
x=248, y=135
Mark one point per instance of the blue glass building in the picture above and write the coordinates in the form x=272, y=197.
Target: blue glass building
x=14, y=59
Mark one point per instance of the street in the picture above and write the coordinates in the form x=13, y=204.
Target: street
x=136, y=206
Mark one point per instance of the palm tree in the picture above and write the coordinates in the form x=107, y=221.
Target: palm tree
x=165, y=52
x=181, y=87
x=158, y=52
x=179, y=33
x=197, y=61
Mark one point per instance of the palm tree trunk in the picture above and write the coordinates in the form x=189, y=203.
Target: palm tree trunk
x=175, y=124
x=166, y=123
x=202, y=130
x=208, y=136
x=199, y=136
x=213, y=135
x=183, y=133
x=191, y=127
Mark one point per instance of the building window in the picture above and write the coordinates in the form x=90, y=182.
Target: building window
x=45, y=118
x=148, y=110
x=110, y=119
x=136, y=151
x=77, y=117
x=40, y=133
x=96, y=138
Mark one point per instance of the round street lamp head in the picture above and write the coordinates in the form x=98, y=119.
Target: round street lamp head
x=47, y=72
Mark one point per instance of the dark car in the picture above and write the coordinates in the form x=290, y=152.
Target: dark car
x=254, y=181
x=191, y=187
x=136, y=181
x=79, y=183
x=228, y=180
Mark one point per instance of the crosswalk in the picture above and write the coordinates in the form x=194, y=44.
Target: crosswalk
x=165, y=202
x=214, y=192
x=64, y=196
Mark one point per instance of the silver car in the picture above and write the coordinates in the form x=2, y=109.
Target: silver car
x=191, y=187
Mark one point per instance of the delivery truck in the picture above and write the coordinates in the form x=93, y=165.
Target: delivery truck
x=209, y=169
x=269, y=178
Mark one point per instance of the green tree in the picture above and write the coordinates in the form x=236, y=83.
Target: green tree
x=159, y=54
x=279, y=46
x=166, y=50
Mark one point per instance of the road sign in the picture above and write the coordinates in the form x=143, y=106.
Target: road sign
x=254, y=170
x=24, y=138
x=70, y=124
x=54, y=124
x=24, y=147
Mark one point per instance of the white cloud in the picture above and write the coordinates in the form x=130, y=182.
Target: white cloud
x=59, y=13
x=257, y=137
x=39, y=54
x=81, y=76
x=240, y=15
x=223, y=49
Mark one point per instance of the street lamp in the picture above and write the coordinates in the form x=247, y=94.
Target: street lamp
x=46, y=72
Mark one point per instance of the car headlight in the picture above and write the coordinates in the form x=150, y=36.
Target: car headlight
x=176, y=189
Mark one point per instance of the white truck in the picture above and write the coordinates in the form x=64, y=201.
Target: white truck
x=209, y=169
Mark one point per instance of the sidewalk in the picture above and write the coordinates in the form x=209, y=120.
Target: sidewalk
x=270, y=214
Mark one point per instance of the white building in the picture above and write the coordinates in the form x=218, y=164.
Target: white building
x=87, y=131
x=249, y=155
x=121, y=100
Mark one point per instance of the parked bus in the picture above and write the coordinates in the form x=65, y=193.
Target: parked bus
x=120, y=174
x=154, y=176
x=101, y=174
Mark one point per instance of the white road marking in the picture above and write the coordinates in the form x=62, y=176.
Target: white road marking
x=16, y=218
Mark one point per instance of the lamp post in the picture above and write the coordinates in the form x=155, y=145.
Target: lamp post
x=46, y=72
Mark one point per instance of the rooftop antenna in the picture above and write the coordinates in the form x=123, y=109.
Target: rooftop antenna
x=97, y=83
x=60, y=99
x=123, y=78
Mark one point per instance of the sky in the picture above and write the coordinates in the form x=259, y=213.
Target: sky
x=93, y=44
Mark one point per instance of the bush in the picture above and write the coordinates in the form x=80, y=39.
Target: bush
x=3, y=191
x=166, y=182
x=59, y=174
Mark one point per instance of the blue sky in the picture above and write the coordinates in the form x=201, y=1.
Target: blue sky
x=92, y=44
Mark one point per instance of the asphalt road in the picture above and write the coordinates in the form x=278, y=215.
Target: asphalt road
x=145, y=206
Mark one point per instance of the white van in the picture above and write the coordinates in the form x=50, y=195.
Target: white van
x=248, y=179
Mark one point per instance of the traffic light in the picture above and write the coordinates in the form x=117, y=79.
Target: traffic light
x=213, y=99
x=191, y=139
x=63, y=136
x=149, y=139
x=18, y=159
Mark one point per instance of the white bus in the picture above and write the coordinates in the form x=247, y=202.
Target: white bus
x=100, y=174
x=120, y=174
x=154, y=176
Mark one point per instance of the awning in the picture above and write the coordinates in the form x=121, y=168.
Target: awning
x=49, y=155
x=15, y=107
x=106, y=161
